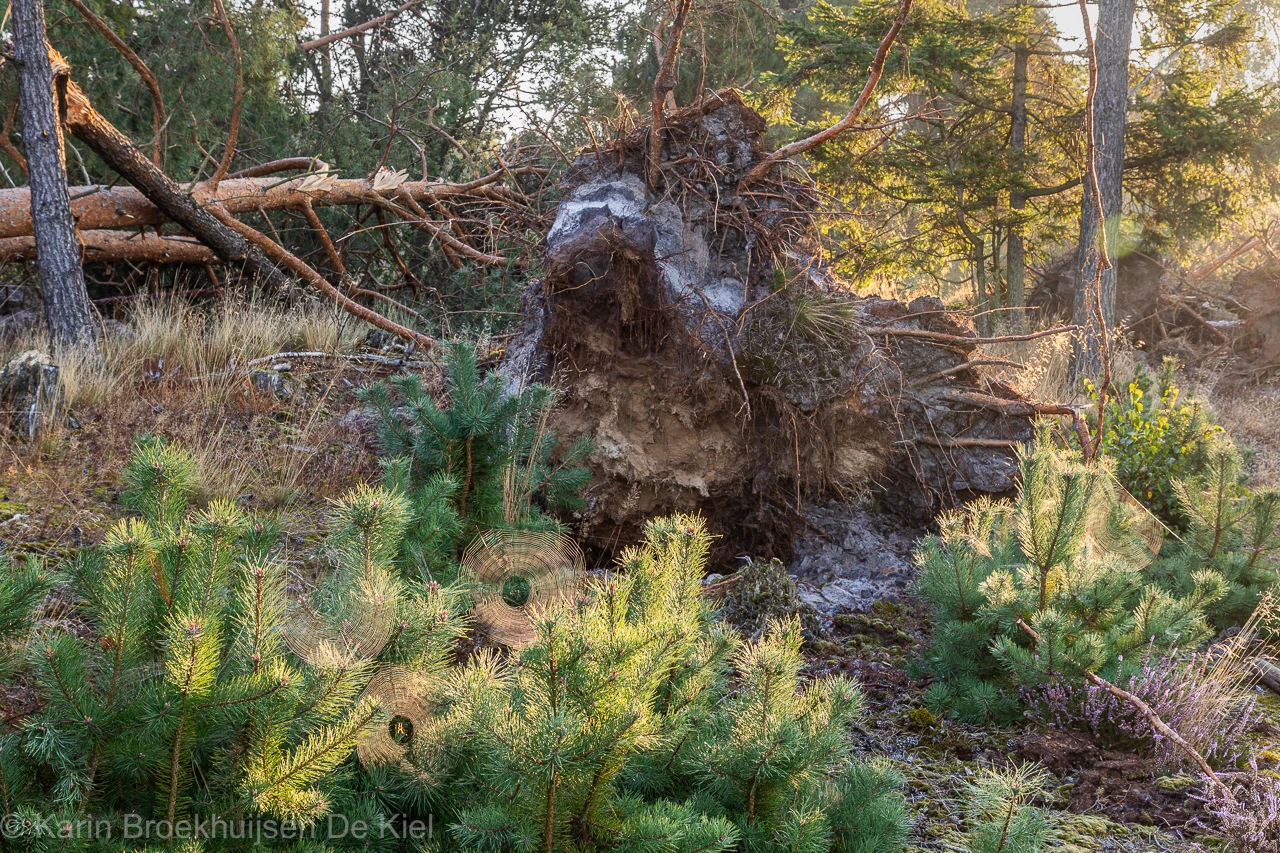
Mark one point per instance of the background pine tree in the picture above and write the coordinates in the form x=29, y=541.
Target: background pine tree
x=475, y=460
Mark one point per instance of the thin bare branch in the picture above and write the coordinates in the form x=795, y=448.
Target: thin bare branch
x=358, y=28
x=237, y=94
x=850, y=120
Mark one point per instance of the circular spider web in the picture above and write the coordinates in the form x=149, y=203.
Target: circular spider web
x=518, y=575
x=406, y=697
x=326, y=641
x=1120, y=527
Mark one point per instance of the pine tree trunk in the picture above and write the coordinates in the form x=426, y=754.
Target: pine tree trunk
x=118, y=152
x=1110, y=109
x=326, y=59
x=1015, y=259
x=981, y=315
x=66, y=302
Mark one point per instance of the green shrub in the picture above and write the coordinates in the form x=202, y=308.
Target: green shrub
x=1154, y=439
x=1001, y=819
x=1068, y=560
x=478, y=460
x=635, y=720
x=638, y=722
x=1231, y=530
x=186, y=699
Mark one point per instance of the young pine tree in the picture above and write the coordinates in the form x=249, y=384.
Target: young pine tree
x=186, y=700
x=621, y=727
x=482, y=458
x=1001, y=819
x=1052, y=585
x=1232, y=531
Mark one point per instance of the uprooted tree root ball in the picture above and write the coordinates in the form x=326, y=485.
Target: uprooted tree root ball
x=696, y=333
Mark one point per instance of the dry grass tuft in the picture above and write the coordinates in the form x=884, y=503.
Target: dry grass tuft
x=177, y=370
x=170, y=336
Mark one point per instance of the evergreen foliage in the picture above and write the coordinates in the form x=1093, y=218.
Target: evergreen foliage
x=477, y=460
x=1001, y=820
x=1231, y=531
x=1065, y=559
x=1154, y=440
x=638, y=722
x=186, y=701
x=22, y=587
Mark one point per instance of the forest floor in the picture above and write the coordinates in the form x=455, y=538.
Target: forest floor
x=289, y=434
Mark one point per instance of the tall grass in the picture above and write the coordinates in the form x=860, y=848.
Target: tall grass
x=170, y=338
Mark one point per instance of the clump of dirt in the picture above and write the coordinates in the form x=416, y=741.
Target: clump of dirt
x=698, y=338
x=1127, y=788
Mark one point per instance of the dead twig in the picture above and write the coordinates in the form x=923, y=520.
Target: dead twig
x=356, y=30
x=800, y=146
x=158, y=116
x=966, y=339
x=364, y=358
x=302, y=269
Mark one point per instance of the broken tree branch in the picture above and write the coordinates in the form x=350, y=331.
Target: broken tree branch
x=115, y=149
x=663, y=85
x=287, y=164
x=158, y=116
x=303, y=270
x=358, y=28
x=800, y=146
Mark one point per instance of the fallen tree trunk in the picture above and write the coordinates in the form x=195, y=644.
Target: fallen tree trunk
x=103, y=207
x=115, y=149
x=697, y=336
x=210, y=223
x=120, y=246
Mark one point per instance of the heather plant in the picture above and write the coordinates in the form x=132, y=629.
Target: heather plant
x=1207, y=696
x=1248, y=812
x=476, y=459
x=1154, y=439
x=1209, y=708
x=1050, y=585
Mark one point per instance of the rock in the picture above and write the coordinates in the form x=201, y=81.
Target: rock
x=360, y=420
x=853, y=556
x=271, y=382
x=30, y=393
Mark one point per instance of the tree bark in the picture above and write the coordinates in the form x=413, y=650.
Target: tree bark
x=1015, y=258
x=118, y=152
x=120, y=246
x=66, y=302
x=1110, y=112
x=114, y=208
